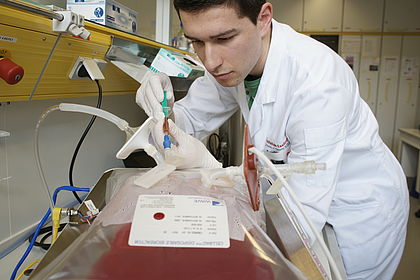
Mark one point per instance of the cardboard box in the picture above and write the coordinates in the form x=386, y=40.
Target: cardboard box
x=175, y=64
x=106, y=12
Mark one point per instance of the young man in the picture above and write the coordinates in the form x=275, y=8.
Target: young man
x=301, y=102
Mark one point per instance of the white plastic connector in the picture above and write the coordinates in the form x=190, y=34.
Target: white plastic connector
x=78, y=31
x=221, y=177
x=306, y=167
x=71, y=23
x=69, y=18
x=92, y=210
x=81, y=21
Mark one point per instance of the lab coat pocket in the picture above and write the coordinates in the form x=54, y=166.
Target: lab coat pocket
x=326, y=135
x=325, y=145
x=364, y=233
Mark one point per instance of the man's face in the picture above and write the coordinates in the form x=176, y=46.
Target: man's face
x=229, y=46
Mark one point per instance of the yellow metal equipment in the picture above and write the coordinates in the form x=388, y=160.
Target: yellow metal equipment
x=27, y=39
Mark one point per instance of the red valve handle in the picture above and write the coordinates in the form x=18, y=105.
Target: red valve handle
x=10, y=71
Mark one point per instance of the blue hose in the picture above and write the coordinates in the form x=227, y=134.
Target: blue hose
x=41, y=223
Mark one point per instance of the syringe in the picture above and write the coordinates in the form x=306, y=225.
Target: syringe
x=165, y=109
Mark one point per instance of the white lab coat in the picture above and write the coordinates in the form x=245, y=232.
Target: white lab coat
x=308, y=107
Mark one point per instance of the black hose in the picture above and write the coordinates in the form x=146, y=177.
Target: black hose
x=79, y=144
x=48, y=233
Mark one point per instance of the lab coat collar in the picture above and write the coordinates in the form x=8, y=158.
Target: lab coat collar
x=252, y=117
x=242, y=101
x=267, y=90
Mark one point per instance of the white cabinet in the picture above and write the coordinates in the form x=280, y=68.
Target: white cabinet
x=289, y=12
x=402, y=15
x=363, y=15
x=369, y=69
x=388, y=86
x=322, y=15
x=408, y=89
x=350, y=49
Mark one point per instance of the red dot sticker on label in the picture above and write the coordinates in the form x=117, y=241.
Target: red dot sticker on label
x=159, y=216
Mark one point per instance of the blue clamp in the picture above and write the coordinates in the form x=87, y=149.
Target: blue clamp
x=166, y=142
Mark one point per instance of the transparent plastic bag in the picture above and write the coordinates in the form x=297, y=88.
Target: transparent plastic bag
x=102, y=252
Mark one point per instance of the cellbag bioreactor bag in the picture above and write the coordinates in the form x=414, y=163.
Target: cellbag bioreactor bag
x=103, y=251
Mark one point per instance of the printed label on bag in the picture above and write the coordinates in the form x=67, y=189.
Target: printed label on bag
x=179, y=221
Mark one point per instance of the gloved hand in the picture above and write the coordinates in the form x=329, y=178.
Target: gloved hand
x=189, y=151
x=150, y=94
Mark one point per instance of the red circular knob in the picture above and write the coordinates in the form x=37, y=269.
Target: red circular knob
x=10, y=71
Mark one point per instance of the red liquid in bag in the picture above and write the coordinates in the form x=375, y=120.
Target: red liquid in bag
x=240, y=261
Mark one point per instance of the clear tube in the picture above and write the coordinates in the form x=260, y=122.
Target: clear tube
x=306, y=167
x=167, y=111
x=221, y=177
x=36, y=149
x=261, y=156
x=69, y=107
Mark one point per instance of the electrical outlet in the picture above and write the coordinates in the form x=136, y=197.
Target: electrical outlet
x=94, y=67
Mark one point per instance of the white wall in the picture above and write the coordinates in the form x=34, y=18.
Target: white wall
x=22, y=198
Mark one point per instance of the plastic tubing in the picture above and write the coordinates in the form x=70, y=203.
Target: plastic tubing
x=306, y=167
x=28, y=250
x=36, y=149
x=229, y=172
x=165, y=126
x=264, y=158
x=41, y=223
x=122, y=124
x=68, y=188
x=69, y=107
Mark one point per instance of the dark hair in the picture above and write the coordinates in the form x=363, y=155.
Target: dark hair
x=244, y=8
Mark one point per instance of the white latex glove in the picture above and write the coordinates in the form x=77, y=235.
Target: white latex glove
x=188, y=152
x=150, y=94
